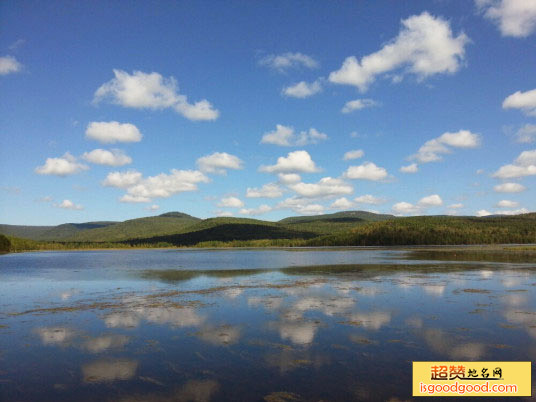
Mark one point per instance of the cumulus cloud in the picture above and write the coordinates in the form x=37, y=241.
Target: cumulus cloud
x=286, y=136
x=509, y=188
x=286, y=61
x=482, y=212
x=289, y=178
x=411, y=168
x=425, y=46
x=152, y=91
x=68, y=204
x=325, y=187
x=270, y=190
x=9, y=65
x=115, y=157
x=369, y=199
x=263, y=209
x=219, y=162
x=302, y=89
x=515, y=18
x=366, y=171
x=62, y=166
x=230, y=202
x=525, y=101
x=358, y=104
x=153, y=208
x=507, y=204
x=301, y=206
x=514, y=211
x=406, y=208
x=297, y=161
x=431, y=150
x=526, y=134
x=341, y=203
x=355, y=154
x=113, y=131
x=122, y=179
x=524, y=165
x=140, y=189
x=430, y=201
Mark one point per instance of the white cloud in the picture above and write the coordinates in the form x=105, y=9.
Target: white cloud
x=432, y=149
x=122, y=179
x=285, y=61
x=297, y=161
x=507, y=204
x=527, y=133
x=140, y=189
x=366, y=171
x=286, y=137
x=514, y=212
x=115, y=157
x=134, y=199
x=166, y=185
x=63, y=166
x=326, y=187
x=301, y=206
x=526, y=158
x=515, y=18
x=152, y=91
x=455, y=206
x=430, y=201
x=113, y=131
x=411, y=168
x=219, y=162
x=270, y=190
x=358, y=104
x=525, y=101
x=9, y=65
x=425, y=46
x=405, y=208
x=483, y=212
x=289, y=178
x=369, y=199
x=341, y=203
x=230, y=202
x=509, y=188
x=355, y=154
x=514, y=171
x=302, y=89
x=68, y=204
x=153, y=207
x=524, y=165
x=263, y=209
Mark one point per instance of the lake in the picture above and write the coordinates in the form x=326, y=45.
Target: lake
x=253, y=325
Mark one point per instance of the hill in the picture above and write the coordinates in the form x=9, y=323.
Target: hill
x=58, y=232
x=168, y=223
x=436, y=230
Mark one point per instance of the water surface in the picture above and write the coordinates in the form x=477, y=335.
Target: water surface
x=273, y=325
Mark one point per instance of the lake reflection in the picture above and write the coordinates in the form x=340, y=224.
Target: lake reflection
x=273, y=325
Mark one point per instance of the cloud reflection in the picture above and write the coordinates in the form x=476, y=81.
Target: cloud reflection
x=108, y=370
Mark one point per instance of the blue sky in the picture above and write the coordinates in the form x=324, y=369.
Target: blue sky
x=116, y=110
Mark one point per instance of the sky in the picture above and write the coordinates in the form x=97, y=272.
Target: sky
x=118, y=110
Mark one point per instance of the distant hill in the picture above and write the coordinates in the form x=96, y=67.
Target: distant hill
x=168, y=223
x=349, y=228
x=344, y=216
x=59, y=232
x=436, y=230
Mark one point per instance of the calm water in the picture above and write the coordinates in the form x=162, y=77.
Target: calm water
x=250, y=325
